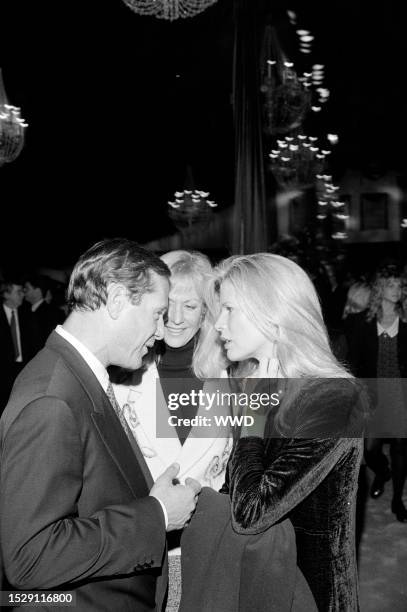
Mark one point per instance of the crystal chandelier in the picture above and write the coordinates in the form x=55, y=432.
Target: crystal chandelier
x=288, y=95
x=12, y=128
x=295, y=161
x=191, y=209
x=331, y=210
x=169, y=9
x=286, y=101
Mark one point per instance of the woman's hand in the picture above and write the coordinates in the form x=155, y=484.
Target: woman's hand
x=268, y=367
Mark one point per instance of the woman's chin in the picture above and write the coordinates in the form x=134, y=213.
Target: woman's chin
x=175, y=342
x=234, y=355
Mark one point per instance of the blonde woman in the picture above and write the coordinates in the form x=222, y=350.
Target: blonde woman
x=145, y=396
x=175, y=365
x=378, y=349
x=305, y=467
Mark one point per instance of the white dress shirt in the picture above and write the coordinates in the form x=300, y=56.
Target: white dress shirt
x=9, y=312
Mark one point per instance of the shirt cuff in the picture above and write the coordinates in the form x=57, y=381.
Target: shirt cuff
x=164, y=510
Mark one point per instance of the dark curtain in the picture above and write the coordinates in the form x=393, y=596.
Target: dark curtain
x=250, y=219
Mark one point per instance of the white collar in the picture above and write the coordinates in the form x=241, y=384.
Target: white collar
x=391, y=331
x=8, y=310
x=36, y=305
x=93, y=362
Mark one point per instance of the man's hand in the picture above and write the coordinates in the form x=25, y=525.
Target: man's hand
x=179, y=500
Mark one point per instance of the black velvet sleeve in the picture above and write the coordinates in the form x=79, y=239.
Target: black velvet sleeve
x=268, y=478
x=262, y=493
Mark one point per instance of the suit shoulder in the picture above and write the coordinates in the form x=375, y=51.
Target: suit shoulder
x=46, y=376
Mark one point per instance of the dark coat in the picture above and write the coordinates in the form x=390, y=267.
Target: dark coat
x=74, y=507
x=9, y=368
x=223, y=571
x=363, y=346
x=44, y=320
x=310, y=476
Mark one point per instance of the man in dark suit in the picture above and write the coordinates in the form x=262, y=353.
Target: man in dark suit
x=44, y=317
x=78, y=509
x=15, y=336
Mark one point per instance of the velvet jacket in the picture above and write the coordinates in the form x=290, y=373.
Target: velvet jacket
x=309, y=475
x=224, y=571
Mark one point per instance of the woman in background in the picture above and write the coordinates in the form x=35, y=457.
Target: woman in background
x=357, y=300
x=377, y=344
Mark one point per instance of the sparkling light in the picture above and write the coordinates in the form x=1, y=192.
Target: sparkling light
x=169, y=9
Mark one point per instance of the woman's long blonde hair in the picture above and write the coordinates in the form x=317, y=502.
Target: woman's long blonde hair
x=279, y=298
x=375, y=309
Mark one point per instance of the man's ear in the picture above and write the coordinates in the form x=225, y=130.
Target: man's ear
x=117, y=298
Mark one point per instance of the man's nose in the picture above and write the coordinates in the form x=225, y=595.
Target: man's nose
x=159, y=332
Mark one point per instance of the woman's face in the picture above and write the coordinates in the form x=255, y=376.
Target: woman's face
x=392, y=290
x=242, y=339
x=185, y=313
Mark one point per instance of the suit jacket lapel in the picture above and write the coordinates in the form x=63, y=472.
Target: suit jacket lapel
x=127, y=457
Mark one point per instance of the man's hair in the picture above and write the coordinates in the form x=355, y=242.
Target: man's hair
x=115, y=260
x=38, y=281
x=7, y=284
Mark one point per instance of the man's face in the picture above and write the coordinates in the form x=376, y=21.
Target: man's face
x=140, y=325
x=32, y=294
x=13, y=297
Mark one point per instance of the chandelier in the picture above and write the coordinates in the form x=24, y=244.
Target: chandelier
x=169, y=9
x=332, y=211
x=288, y=95
x=295, y=161
x=12, y=128
x=286, y=100
x=191, y=209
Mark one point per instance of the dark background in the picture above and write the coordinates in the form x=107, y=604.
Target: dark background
x=119, y=105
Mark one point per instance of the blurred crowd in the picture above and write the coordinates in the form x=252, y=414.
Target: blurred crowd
x=32, y=306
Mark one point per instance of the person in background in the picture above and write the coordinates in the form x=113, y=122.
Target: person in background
x=377, y=344
x=44, y=315
x=15, y=335
x=357, y=300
